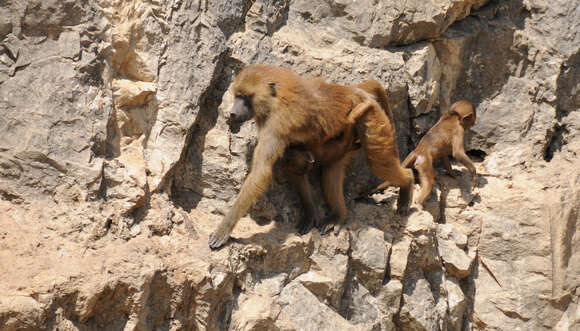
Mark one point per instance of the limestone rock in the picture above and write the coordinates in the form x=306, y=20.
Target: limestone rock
x=369, y=257
x=389, y=24
x=302, y=310
x=424, y=242
x=399, y=257
x=362, y=308
x=18, y=312
x=116, y=163
x=425, y=75
x=457, y=303
x=128, y=93
x=326, y=278
x=450, y=244
x=390, y=303
x=256, y=312
x=419, y=306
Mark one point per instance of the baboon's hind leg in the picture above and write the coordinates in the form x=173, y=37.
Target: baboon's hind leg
x=310, y=217
x=427, y=179
x=332, y=182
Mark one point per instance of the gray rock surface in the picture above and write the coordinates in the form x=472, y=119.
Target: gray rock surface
x=116, y=162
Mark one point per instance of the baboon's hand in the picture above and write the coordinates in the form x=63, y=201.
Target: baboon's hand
x=303, y=226
x=219, y=236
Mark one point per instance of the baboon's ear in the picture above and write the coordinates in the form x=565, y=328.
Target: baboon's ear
x=272, y=88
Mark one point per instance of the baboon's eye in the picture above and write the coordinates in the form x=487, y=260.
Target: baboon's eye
x=247, y=100
x=272, y=86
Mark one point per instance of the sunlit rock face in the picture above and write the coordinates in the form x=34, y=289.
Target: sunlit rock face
x=116, y=163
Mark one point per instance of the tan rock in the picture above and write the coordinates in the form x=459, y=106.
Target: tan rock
x=255, y=312
x=450, y=242
x=131, y=93
x=399, y=257
x=18, y=312
x=456, y=302
x=369, y=257
x=116, y=162
x=301, y=310
x=326, y=278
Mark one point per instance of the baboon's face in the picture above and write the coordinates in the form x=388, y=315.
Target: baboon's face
x=242, y=111
x=254, y=98
x=466, y=112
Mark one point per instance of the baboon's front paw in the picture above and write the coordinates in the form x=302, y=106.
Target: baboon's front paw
x=403, y=211
x=217, y=239
x=303, y=227
x=326, y=228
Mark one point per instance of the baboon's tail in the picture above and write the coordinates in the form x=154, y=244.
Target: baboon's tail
x=360, y=110
x=375, y=88
x=410, y=159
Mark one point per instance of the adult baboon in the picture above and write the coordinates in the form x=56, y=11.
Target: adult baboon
x=289, y=109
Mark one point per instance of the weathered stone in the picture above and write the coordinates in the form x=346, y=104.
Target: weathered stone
x=456, y=302
x=450, y=243
x=130, y=93
x=19, y=312
x=425, y=74
x=326, y=278
x=301, y=310
x=369, y=257
x=399, y=257
x=255, y=312
x=418, y=310
x=116, y=162
x=389, y=23
x=389, y=300
x=70, y=44
x=424, y=242
x=362, y=308
x=370, y=312
x=564, y=218
x=450, y=233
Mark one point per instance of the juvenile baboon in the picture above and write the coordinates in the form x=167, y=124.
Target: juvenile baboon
x=443, y=139
x=290, y=110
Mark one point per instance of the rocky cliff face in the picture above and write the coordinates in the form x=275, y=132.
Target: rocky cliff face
x=116, y=163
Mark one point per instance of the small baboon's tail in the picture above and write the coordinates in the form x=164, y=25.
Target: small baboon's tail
x=410, y=159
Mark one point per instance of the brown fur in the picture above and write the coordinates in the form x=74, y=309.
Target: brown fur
x=382, y=154
x=298, y=163
x=443, y=139
x=332, y=151
x=375, y=89
x=289, y=110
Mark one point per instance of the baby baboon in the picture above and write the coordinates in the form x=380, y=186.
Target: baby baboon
x=443, y=139
x=298, y=161
x=298, y=167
